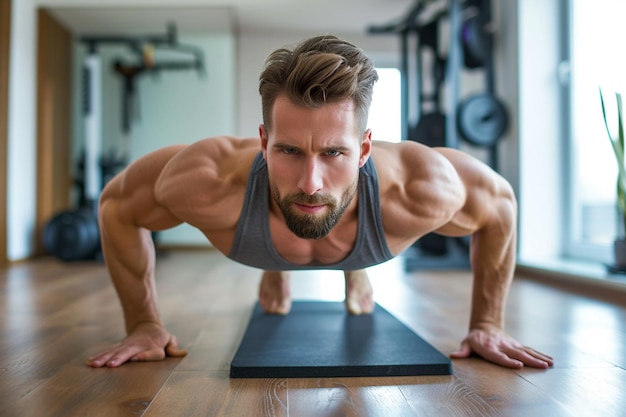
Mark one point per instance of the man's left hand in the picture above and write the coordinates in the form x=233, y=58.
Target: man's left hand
x=497, y=347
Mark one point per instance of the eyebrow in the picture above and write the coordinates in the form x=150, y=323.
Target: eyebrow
x=340, y=148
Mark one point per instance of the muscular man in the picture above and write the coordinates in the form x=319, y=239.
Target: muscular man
x=313, y=192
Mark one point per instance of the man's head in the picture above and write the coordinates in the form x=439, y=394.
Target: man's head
x=314, y=137
x=319, y=71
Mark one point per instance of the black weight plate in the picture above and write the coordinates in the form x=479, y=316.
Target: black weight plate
x=473, y=43
x=482, y=120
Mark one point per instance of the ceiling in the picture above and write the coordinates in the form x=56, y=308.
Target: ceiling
x=244, y=16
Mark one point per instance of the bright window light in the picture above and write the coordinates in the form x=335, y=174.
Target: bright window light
x=385, y=113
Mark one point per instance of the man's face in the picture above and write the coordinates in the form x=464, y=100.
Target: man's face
x=313, y=158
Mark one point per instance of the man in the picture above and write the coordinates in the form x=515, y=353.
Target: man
x=314, y=192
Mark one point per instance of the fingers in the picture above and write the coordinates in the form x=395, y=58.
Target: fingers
x=542, y=356
x=154, y=354
x=464, y=352
x=121, y=354
x=173, y=350
x=111, y=358
x=502, y=359
x=95, y=361
x=530, y=357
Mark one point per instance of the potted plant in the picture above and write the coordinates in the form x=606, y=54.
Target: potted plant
x=617, y=143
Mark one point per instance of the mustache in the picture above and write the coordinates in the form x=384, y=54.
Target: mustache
x=315, y=199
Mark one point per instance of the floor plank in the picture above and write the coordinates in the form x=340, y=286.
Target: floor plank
x=212, y=394
x=584, y=391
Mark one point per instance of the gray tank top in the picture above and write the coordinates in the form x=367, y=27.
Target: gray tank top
x=253, y=243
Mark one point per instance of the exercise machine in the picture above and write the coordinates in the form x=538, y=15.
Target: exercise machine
x=74, y=234
x=430, y=117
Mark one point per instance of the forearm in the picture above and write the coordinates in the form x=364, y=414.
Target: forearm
x=129, y=255
x=493, y=263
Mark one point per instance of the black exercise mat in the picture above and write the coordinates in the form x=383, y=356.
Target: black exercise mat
x=319, y=339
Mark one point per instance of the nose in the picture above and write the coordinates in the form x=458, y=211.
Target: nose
x=310, y=181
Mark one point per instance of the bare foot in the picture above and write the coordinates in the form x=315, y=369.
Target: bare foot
x=359, y=294
x=274, y=294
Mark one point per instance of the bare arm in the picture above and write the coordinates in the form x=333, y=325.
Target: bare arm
x=127, y=213
x=201, y=184
x=489, y=214
x=448, y=192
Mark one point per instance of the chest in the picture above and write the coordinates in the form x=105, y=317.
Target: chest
x=328, y=250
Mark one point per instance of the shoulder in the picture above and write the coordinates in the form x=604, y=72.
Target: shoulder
x=420, y=188
x=202, y=176
x=413, y=164
x=219, y=159
x=423, y=189
x=415, y=169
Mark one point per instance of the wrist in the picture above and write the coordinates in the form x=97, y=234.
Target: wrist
x=486, y=325
x=131, y=328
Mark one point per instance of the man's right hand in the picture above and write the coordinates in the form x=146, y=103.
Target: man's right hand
x=147, y=342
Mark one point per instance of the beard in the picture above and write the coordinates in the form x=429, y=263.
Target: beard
x=312, y=226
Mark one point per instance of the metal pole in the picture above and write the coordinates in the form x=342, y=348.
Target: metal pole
x=93, y=127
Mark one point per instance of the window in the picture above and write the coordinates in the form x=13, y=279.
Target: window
x=597, y=61
x=385, y=113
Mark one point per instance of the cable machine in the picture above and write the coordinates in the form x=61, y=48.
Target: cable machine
x=429, y=117
x=74, y=235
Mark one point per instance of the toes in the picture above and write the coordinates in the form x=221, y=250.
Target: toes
x=276, y=307
x=274, y=295
x=353, y=307
x=356, y=308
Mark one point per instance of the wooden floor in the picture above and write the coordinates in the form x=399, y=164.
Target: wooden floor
x=53, y=316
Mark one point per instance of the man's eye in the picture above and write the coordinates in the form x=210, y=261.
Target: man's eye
x=290, y=151
x=333, y=153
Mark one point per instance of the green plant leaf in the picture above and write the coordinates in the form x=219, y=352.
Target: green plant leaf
x=618, y=148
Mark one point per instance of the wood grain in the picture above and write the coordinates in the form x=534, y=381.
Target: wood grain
x=54, y=315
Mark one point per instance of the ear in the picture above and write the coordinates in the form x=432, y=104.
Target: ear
x=263, y=136
x=366, y=147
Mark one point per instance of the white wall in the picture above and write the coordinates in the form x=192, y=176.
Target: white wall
x=21, y=132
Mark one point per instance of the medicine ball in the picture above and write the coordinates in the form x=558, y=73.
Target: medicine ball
x=72, y=235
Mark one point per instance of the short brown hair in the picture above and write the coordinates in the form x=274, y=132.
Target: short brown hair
x=319, y=70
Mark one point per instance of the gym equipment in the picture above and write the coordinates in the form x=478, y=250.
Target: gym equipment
x=191, y=58
x=74, y=235
x=431, y=126
x=482, y=119
x=426, y=121
x=321, y=340
x=474, y=42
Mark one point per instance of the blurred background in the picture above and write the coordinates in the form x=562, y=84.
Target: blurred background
x=513, y=82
